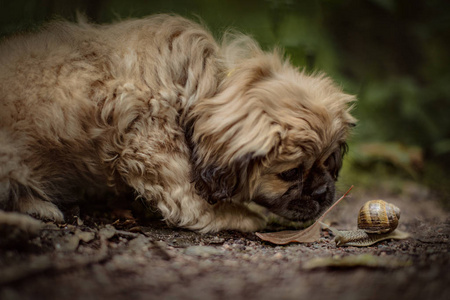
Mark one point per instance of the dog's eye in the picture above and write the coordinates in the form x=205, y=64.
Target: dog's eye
x=291, y=175
x=334, y=164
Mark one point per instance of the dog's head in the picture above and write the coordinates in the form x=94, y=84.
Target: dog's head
x=272, y=135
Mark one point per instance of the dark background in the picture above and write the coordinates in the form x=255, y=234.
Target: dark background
x=394, y=55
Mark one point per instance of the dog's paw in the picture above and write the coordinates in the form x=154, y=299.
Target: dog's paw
x=43, y=210
x=252, y=222
x=230, y=216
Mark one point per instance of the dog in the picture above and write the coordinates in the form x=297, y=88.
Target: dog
x=194, y=127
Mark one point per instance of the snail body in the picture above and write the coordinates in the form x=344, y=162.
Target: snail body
x=377, y=221
x=360, y=238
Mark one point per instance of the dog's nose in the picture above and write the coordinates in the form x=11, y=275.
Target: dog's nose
x=319, y=191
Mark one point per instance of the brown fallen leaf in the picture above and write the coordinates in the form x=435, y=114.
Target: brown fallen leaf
x=308, y=235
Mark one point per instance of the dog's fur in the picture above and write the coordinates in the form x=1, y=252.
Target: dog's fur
x=195, y=128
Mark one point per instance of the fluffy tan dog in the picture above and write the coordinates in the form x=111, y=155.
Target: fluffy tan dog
x=194, y=128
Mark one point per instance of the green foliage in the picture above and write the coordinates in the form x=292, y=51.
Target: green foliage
x=381, y=167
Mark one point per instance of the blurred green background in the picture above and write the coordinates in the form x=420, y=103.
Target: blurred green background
x=393, y=54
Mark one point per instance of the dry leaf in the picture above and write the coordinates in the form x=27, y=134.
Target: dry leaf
x=308, y=235
x=123, y=214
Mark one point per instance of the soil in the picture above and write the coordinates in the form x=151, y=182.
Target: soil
x=115, y=256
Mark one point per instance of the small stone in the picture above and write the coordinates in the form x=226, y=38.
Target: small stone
x=161, y=244
x=108, y=232
x=203, y=251
x=226, y=247
x=79, y=221
x=85, y=236
x=246, y=256
x=69, y=243
x=139, y=243
x=217, y=240
x=278, y=255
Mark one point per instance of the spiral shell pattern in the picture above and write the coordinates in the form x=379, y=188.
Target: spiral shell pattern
x=378, y=216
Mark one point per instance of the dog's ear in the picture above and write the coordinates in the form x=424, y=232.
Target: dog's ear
x=220, y=183
x=217, y=179
x=233, y=131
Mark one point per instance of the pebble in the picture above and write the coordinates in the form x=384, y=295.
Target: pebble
x=85, y=236
x=203, y=251
x=139, y=243
x=226, y=247
x=217, y=240
x=107, y=232
x=161, y=244
x=246, y=256
x=68, y=243
x=278, y=255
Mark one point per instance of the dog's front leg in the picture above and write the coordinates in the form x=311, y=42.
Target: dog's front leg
x=232, y=216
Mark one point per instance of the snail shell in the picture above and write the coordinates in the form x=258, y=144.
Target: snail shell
x=378, y=216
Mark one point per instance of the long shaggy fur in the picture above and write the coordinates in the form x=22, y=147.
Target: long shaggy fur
x=157, y=106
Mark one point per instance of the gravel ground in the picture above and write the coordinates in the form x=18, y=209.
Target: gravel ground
x=124, y=258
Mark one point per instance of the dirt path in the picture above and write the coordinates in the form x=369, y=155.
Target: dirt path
x=96, y=258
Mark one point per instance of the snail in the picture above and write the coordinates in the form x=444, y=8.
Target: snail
x=377, y=221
